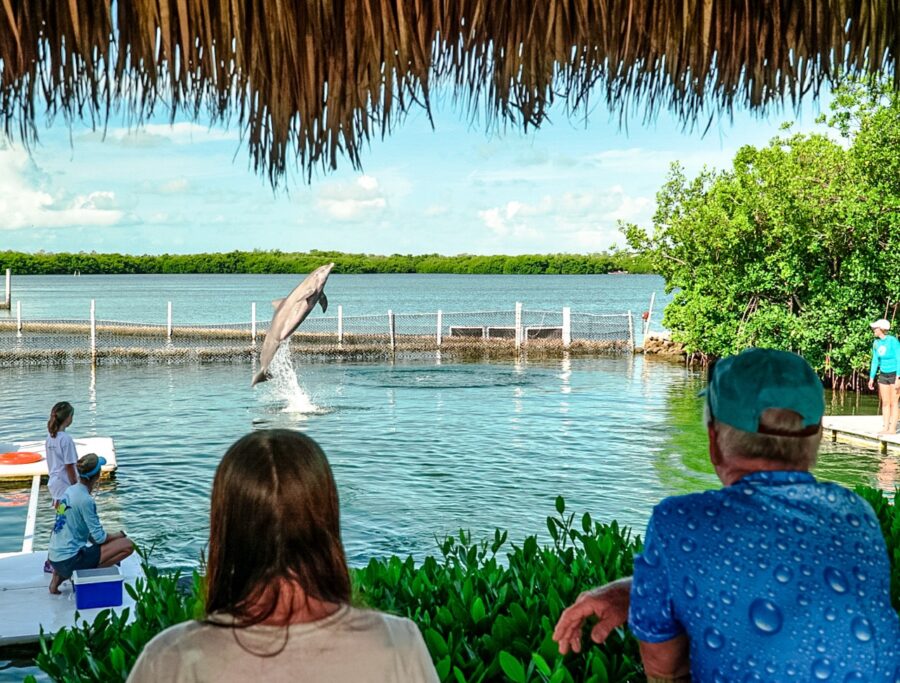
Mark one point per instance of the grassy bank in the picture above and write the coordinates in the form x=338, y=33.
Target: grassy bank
x=486, y=608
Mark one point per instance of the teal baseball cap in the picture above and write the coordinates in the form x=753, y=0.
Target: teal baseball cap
x=742, y=387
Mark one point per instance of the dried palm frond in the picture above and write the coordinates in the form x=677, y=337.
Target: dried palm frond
x=316, y=79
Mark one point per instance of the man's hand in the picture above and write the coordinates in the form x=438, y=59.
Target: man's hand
x=871, y=384
x=608, y=603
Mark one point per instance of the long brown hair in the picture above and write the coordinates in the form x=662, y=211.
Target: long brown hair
x=61, y=412
x=274, y=517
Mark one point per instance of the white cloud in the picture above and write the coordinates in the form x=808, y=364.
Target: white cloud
x=155, y=134
x=657, y=161
x=176, y=186
x=359, y=200
x=29, y=200
x=367, y=183
x=437, y=210
x=571, y=220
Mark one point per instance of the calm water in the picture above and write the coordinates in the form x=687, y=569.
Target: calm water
x=227, y=298
x=419, y=448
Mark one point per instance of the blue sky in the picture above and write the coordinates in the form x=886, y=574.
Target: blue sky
x=452, y=189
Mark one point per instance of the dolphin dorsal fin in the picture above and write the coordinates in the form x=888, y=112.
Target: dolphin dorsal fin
x=277, y=302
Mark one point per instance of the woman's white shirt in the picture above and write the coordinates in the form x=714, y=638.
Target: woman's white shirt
x=363, y=646
x=60, y=452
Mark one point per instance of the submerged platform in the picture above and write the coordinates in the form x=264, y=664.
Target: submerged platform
x=27, y=605
x=101, y=445
x=861, y=431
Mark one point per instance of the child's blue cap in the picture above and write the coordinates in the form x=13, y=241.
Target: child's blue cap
x=742, y=387
x=89, y=465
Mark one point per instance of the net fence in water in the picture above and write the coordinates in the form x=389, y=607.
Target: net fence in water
x=504, y=331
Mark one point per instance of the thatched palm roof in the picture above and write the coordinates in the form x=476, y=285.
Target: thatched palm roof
x=315, y=79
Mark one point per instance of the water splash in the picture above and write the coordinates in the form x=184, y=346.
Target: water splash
x=284, y=387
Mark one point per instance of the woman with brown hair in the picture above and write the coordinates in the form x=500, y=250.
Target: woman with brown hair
x=278, y=588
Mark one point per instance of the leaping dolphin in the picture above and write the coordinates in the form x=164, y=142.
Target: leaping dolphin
x=289, y=313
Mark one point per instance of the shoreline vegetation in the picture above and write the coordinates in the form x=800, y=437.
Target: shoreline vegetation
x=791, y=247
x=486, y=608
x=277, y=262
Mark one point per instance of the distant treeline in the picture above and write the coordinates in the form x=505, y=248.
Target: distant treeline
x=42, y=263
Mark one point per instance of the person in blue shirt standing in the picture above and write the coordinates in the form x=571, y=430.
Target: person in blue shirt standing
x=885, y=362
x=776, y=576
x=77, y=523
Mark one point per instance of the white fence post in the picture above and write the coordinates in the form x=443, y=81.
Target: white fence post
x=169, y=320
x=93, y=331
x=518, y=324
x=440, y=327
x=253, y=323
x=340, y=325
x=630, y=330
x=19, y=318
x=8, y=299
x=393, y=330
x=649, y=315
x=567, y=327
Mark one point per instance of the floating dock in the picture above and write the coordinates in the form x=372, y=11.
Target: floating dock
x=101, y=445
x=861, y=431
x=26, y=604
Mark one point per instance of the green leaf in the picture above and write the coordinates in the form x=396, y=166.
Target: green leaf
x=436, y=644
x=560, y=504
x=477, y=611
x=117, y=658
x=540, y=664
x=512, y=667
x=443, y=668
x=558, y=676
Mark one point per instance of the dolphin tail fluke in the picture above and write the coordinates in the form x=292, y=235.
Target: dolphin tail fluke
x=260, y=376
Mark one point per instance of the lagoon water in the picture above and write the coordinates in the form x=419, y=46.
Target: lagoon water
x=420, y=447
x=227, y=298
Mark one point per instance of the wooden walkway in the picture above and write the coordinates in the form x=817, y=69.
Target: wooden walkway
x=861, y=431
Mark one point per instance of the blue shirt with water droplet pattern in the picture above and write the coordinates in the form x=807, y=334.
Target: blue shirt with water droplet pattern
x=777, y=577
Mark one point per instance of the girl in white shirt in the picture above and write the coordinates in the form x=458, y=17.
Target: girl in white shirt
x=278, y=593
x=61, y=455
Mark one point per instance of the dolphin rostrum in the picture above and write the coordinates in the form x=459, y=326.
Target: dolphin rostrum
x=289, y=313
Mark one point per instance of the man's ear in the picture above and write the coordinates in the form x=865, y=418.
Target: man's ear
x=715, y=455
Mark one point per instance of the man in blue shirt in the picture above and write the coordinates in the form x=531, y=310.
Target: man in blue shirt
x=775, y=577
x=77, y=523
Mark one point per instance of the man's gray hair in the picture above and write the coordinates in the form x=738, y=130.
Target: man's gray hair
x=798, y=451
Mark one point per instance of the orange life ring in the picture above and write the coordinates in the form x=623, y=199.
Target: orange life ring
x=20, y=458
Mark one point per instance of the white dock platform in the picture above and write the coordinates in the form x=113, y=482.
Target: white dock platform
x=27, y=605
x=860, y=430
x=101, y=445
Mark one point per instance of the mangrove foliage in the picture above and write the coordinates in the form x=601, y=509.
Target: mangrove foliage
x=42, y=263
x=795, y=246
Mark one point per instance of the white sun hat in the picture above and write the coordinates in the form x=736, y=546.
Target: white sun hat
x=881, y=323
